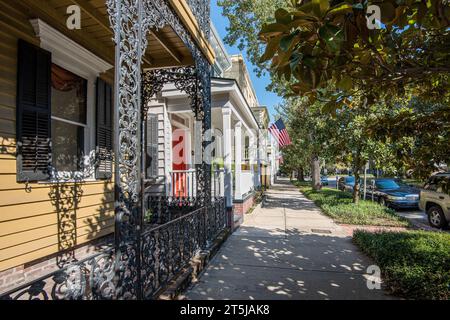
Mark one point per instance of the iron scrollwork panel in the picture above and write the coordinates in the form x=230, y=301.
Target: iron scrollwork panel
x=168, y=248
x=165, y=250
x=191, y=81
x=131, y=21
x=89, y=279
x=201, y=11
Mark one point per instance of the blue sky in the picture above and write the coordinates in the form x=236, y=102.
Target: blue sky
x=267, y=98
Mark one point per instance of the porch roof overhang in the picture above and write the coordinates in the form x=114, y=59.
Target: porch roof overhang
x=183, y=10
x=265, y=114
x=219, y=86
x=165, y=48
x=231, y=87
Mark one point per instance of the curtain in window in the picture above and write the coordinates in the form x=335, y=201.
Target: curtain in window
x=64, y=80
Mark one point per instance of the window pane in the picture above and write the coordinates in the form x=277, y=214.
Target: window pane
x=67, y=144
x=441, y=184
x=387, y=184
x=68, y=95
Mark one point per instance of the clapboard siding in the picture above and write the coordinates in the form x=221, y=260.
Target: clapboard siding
x=7, y=113
x=49, y=230
x=11, y=197
x=32, y=209
x=28, y=217
x=82, y=215
x=158, y=186
x=47, y=248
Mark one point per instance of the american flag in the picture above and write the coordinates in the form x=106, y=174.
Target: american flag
x=279, y=132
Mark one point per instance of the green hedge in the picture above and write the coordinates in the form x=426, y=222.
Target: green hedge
x=415, y=264
x=338, y=205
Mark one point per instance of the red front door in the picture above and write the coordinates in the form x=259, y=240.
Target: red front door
x=180, y=149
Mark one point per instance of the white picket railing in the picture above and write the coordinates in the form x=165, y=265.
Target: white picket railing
x=183, y=183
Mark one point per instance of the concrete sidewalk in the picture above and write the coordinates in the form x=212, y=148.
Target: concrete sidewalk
x=286, y=249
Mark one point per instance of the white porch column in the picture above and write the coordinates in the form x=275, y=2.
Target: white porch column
x=259, y=147
x=227, y=153
x=238, y=160
x=253, y=158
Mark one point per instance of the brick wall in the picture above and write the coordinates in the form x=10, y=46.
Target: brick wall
x=240, y=208
x=14, y=277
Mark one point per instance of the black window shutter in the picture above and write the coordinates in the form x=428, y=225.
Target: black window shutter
x=104, y=131
x=151, y=163
x=33, y=126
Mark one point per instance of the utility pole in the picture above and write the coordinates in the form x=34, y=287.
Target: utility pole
x=366, y=167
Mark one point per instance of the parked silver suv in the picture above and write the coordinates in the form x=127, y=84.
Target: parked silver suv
x=435, y=200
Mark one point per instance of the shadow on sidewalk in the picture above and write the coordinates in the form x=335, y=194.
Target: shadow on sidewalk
x=258, y=263
x=273, y=202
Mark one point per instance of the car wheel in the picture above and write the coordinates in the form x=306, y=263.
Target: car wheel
x=382, y=201
x=436, y=217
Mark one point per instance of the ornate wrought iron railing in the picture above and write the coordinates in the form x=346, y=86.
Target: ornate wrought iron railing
x=164, y=251
x=217, y=218
x=163, y=209
x=168, y=248
x=88, y=279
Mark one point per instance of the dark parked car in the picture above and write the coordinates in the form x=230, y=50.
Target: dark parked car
x=346, y=183
x=393, y=193
x=324, y=180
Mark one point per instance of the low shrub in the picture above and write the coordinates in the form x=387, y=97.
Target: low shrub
x=339, y=206
x=414, y=264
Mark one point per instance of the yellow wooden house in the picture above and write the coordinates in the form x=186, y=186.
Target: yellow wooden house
x=56, y=111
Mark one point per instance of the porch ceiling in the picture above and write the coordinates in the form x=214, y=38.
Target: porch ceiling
x=165, y=48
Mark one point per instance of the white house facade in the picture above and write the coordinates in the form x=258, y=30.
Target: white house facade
x=240, y=149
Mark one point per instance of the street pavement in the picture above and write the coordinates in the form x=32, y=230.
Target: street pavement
x=286, y=249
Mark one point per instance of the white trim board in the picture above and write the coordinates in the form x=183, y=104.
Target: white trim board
x=85, y=63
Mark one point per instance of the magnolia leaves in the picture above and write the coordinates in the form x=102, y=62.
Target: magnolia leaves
x=346, y=83
x=340, y=10
x=332, y=36
x=320, y=7
x=315, y=45
x=299, y=42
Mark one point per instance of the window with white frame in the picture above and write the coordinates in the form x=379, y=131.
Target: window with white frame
x=68, y=114
x=80, y=119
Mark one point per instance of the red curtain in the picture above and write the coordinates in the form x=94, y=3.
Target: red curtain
x=64, y=80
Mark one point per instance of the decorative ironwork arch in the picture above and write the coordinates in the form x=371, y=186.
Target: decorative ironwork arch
x=185, y=79
x=131, y=21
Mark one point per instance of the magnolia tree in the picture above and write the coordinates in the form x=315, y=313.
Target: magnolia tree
x=312, y=44
x=377, y=72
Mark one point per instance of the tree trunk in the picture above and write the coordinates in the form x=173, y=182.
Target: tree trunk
x=300, y=174
x=356, y=187
x=315, y=172
x=356, y=171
